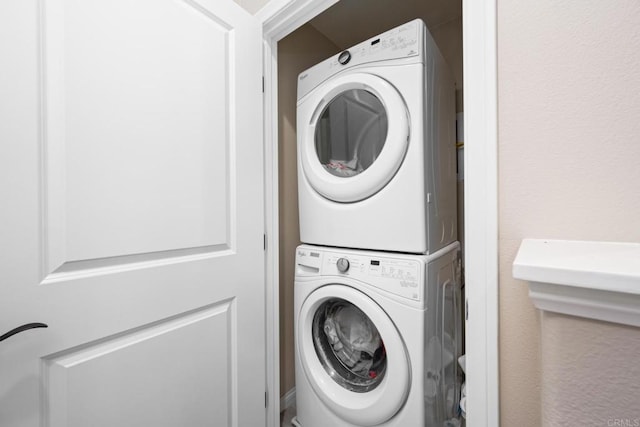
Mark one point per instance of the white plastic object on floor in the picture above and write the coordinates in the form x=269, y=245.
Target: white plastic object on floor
x=462, y=361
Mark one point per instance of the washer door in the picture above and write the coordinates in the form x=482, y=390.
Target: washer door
x=352, y=355
x=357, y=137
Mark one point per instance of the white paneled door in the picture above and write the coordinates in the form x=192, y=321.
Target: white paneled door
x=131, y=214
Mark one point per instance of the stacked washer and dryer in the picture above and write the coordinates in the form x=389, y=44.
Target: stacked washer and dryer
x=377, y=282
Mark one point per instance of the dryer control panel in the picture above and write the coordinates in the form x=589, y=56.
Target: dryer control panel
x=405, y=41
x=399, y=276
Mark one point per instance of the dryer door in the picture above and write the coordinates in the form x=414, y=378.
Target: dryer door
x=356, y=138
x=352, y=355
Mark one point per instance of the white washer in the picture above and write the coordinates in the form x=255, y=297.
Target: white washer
x=376, y=146
x=377, y=338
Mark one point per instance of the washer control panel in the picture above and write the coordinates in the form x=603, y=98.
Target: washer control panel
x=395, y=275
x=399, y=276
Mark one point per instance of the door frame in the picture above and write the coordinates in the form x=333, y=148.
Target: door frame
x=281, y=17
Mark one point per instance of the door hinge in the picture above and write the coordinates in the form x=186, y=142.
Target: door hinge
x=466, y=309
x=262, y=84
x=266, y=398
x=264, y=241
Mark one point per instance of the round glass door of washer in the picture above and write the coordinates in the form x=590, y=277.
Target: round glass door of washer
x=357, y=137
x=349, y=346
x=352, y=355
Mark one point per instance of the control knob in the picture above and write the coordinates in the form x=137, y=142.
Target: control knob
x=344, y=57
x=343, y=265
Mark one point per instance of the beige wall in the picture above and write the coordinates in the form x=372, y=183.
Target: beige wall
x=591, y=374
x=448, y=37
x=298, y=51
x=569, y=157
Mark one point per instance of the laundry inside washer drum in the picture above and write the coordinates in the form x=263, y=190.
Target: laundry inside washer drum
x=349, y=345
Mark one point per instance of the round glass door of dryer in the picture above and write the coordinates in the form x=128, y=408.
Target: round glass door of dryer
x=352, y=355
x=356, y=138
x=351, y=132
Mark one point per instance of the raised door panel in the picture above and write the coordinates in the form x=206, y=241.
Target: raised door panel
x=185, y=360
x=138, y=138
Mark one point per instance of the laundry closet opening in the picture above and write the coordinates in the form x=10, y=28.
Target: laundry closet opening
x=340, y=27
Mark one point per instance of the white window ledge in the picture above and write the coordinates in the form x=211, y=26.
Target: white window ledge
x=596, y=280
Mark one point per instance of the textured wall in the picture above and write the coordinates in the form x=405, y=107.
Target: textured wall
x=296, y=52
x=591, y=374
x=569, y=149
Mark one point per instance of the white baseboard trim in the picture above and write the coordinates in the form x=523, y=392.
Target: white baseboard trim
x=288, y=400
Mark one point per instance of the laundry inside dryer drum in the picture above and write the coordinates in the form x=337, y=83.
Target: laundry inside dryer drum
x=349, y=345
x=351, y=133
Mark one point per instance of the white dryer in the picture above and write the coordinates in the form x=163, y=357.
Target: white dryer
x=376, y=146
x=377, y=338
